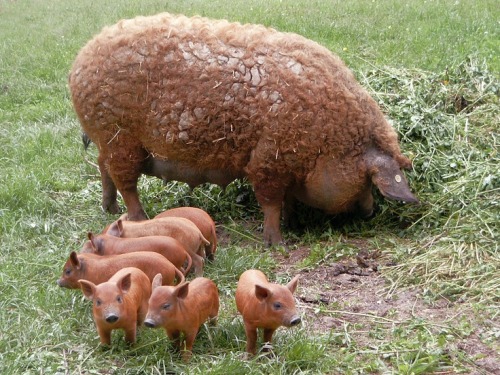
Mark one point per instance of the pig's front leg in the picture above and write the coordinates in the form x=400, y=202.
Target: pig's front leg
x=105, y=335
x=188, y=349
x=251, y=333
x=268, y=336
x=130, y=334
x=272, y=215
x=175, y=337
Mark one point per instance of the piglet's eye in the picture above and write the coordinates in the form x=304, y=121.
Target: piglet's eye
x=277, y=305
x=166, y=306
x=98, y=302
x=67, y=271
x=119, y=299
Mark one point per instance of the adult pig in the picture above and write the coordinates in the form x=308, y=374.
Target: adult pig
x=169, y=247
x=265, y=305
x=182, y=309
x=98, y=269
x=119, y=303
x=198, y=100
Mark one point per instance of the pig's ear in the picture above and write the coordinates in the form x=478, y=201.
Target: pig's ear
x=73, y=257
x=92, y=241
x=292, y=285
x=88, y=288
x=158, y=279
x=125, y=282
x=262, y=292
x=182, y=290
x=115, y=228
x=387, y=176
x=119, y=223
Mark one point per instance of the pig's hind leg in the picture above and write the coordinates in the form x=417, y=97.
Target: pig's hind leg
x=109, y=193
x=125, y=166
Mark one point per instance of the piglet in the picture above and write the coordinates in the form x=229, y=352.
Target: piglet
x=120, y=303
x=169, y=247
x=98, y=269
x=202, y=220
x=264, y=305
x=182, y=309
x=183, y=230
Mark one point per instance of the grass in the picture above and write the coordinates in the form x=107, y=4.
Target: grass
x=434, y=68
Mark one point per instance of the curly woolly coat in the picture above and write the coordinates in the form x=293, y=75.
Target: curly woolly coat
x=202, y=100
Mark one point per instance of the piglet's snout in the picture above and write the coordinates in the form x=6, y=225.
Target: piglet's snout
x=295, y=320
x=150, y=323
x=111, y=318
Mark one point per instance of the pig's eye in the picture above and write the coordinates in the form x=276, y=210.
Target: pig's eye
x=165, y=306
x=119, y=299
x=98, y=302
x=67, y=271
x=277, y=305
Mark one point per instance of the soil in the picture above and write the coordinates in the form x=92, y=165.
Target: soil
x=354, y=292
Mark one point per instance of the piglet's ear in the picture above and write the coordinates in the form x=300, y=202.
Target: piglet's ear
x=158, y=279
x=92, y=241
x=125, y=282
x=182, y=290
x=115, y=228
x=73, y=257
x=292, y=285
x=262, y=292
x=88, y=288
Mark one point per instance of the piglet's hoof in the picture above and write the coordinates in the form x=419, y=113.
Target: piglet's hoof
x=267, y=351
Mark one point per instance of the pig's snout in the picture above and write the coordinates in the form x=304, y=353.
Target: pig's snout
x=150, y=323
x=295, y=320
x=111, y=318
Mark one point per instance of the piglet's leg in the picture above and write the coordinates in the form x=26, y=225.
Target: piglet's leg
x=187, y=350
x=198, y=262
x=251, y=333
x=268, y=335
x=105, y=335
x=130, y=334
x=175, y=337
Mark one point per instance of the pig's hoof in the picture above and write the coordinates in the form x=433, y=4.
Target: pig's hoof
x=111, y=207
x=267, y=350
x=267, y=347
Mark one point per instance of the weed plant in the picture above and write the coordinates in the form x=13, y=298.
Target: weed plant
x=434, y=68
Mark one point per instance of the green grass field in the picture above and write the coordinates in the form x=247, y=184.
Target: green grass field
x=434, y=67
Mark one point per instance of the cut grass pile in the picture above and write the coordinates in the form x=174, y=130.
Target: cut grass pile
x=434, y=68
x=449, y=123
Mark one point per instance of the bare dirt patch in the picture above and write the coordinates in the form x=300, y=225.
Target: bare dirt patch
x=354, y=292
